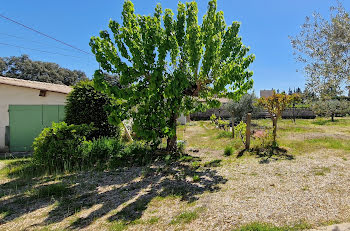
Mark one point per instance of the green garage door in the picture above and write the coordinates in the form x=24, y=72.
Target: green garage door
x=27, y=121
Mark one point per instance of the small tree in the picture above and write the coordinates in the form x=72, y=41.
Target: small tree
x=239, y=109
x=294, y=100
x=330, y=108
x=275, y=105
x=166, y=64
x=85, y=105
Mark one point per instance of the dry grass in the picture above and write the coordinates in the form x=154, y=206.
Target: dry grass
x=305, y=187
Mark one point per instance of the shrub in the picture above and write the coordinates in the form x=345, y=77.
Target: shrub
x=222, y=124
x=85, y=105
x=213, y=119
x=228, y=151
x=59, y=146
x=264, y=139
x=239, y=109
x=181, y=146
x=64, y=147
x=137, y=153
x=98, y=152
x=240, y=129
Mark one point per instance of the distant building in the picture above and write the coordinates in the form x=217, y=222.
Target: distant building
x=266, y=93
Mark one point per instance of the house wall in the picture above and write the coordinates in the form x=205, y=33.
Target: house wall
x=13, y=95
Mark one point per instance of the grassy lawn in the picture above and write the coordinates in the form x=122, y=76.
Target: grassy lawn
x=305, y=186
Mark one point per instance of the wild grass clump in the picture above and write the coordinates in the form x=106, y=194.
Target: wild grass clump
x=51, y=190
x=185, y=217
x=228, y=151
x=256, y=226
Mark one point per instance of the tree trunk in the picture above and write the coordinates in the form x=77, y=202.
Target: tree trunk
x=247, y=140
x=172, y=141
x=274, y=129
x=233, y=125
x=293, y=112
x=332, y=117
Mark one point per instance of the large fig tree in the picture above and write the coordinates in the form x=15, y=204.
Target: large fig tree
x=170, y=65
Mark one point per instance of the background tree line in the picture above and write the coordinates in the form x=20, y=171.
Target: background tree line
x=23, y=67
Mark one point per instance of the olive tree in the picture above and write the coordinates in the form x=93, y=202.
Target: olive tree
x=170, y=64
x=330, y=108
x=323, y=47
x=239, y=109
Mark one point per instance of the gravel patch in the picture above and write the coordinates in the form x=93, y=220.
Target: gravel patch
x=313, y=188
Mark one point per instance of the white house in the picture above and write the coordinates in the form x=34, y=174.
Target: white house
x=25, y=108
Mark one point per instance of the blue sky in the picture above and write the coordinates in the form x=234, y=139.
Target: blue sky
x=266, y=25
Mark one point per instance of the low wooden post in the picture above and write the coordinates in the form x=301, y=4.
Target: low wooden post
x=247, y=133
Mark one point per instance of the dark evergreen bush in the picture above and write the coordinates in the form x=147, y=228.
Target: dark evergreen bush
x=85, y=105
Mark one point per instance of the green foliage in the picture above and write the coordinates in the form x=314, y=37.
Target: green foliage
x=98, y=152
x=239, y=109
x=85, y=105
x=185, y=217
x=58, y=148
x=64, y=147
x=276, y=103
x=240, y=129
x=55, y=190
x=222, y=124
x=228, y=151
x=213, y=119
x=181, y=146
x=24, y=68
x=136, y=153
x=166, y=64
x=196, y=178
x=269, y=227
x=322, y=47
x=331, y=108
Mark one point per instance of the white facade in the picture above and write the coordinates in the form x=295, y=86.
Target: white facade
x=16, y=95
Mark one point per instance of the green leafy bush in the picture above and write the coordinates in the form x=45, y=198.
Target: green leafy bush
x=59, y=147
x=98, y=152
x=240, y=129
x=222, y=124
x=137, y=153
x=64, y=147
x=85, y=105
x=213, y=119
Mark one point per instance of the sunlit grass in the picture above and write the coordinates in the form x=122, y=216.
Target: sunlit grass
x=204, y=135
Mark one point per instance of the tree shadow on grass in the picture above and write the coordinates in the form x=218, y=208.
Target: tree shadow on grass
x=267, y=155
x=125, y=192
